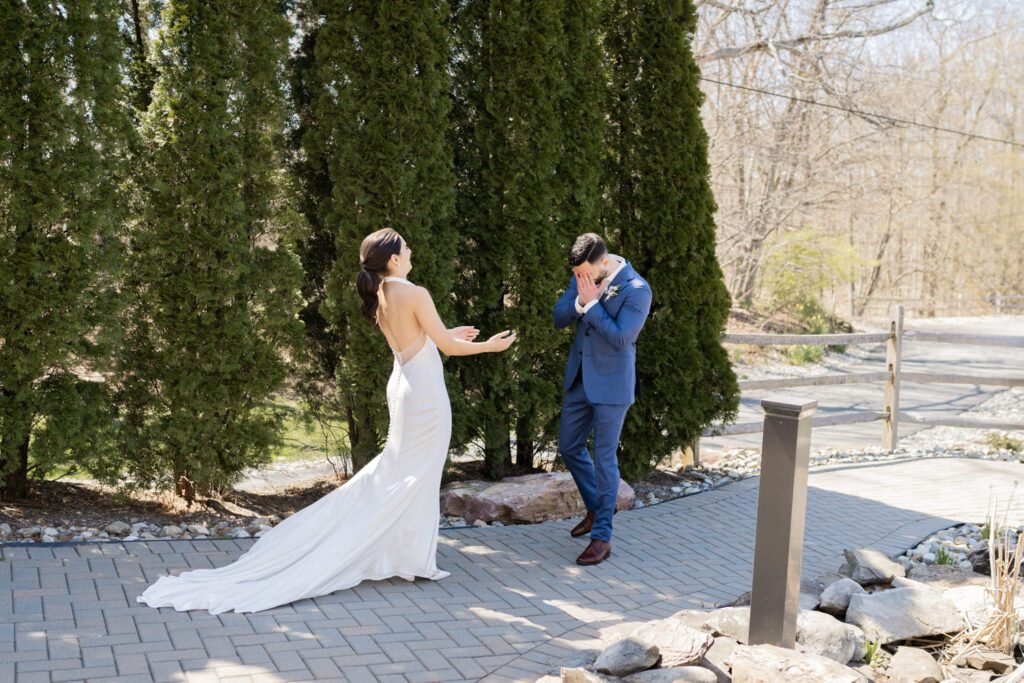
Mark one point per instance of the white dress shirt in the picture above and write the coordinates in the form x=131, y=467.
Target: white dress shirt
x=611, y=277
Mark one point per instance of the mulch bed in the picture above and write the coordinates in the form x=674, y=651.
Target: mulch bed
x=89, y=505
x=56, y=503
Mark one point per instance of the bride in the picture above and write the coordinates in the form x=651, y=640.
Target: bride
x=383, y=521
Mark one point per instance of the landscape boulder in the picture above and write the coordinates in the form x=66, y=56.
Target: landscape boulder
x=524, y=499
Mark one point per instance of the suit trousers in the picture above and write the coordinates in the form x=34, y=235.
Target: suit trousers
x=597, y=478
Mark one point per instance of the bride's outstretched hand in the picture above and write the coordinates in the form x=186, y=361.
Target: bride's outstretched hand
x=502, y=340
x=464, y=333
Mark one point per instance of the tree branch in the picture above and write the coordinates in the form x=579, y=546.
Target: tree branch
x=767, y=44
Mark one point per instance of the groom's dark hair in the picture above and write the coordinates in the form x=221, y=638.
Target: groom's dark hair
x=588, y=247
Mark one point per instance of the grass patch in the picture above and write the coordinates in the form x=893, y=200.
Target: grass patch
x=871, y=649
x=804, y=354
x=943, y=556
x=304, y=438
x=1004, y=442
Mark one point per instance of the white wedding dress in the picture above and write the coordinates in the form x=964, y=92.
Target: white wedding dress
x=379, y=524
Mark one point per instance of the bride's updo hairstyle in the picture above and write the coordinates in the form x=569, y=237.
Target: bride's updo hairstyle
x=374, y=254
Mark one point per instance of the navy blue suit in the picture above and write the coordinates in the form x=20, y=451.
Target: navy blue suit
x=600, y=385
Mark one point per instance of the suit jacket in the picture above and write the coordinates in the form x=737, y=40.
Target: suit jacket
x=605, y=341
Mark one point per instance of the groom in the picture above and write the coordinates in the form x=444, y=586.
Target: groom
x=609, y=303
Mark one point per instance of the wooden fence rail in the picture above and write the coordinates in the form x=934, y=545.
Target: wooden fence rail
x=968, y=339
x=997, y=302
x=892, y=375
x=814, y=380
x=966, y=422
x=806, y=339
x=848, y=418
x=951, y=378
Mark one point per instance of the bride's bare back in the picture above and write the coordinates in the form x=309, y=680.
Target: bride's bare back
x=407, y=316
x=396, y=317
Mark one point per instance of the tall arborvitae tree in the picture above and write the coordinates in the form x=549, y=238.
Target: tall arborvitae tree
x=372, y=92
x=311, y=149
x=510, y=62
x=584, y=127
x=661, y=215
x=215, y=293
x=63, y=127
x=584, y=132
x=137, y=18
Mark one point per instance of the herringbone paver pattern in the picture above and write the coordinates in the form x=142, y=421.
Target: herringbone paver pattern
x=515, y=606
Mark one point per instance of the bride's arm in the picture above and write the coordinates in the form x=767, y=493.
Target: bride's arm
x=430, y=321
x=464, y=332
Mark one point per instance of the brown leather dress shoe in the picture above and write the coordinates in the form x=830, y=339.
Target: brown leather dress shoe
x=583, y=527
x=596, y=553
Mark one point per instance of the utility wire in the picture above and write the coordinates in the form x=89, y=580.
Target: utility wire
x=883, y=117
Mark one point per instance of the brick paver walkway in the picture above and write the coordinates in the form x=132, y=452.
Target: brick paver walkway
x=514, y=608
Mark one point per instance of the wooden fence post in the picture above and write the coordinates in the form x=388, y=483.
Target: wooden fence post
x=893, y=356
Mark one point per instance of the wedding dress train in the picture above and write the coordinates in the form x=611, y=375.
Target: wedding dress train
x=381, y=523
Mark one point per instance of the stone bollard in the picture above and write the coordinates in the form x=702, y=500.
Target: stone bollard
x=781, y=508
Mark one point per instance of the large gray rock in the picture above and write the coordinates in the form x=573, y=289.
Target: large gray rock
x=770, y=664
x=901, y=613
x=864, y=670
x=980, y=560
x=810, y=590
x=582, y=659
x=943, y=576
x=717, y=657
x=694, y=618
x=975, y=603
x=678, y=643
x=817, y=632
x=824, y=635
x=627, y=656
x=733, y=622
x=699, y=618
x=835, y=599
x=914, y=665
x=580, y=675
x=964, y=675
x=686, y=674
x=984, y=659
x=522, y=500
x=868, y=567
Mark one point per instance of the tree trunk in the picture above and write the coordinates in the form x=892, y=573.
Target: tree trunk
x=497, y=445
x=16, y=481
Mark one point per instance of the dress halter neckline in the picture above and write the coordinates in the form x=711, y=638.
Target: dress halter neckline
x=390, y=278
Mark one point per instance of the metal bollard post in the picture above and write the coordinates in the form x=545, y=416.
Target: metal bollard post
x=781, y=508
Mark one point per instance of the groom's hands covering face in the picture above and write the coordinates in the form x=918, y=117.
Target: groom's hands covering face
x=587, y=289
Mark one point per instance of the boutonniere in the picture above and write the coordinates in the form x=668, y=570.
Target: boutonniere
x=612, y=291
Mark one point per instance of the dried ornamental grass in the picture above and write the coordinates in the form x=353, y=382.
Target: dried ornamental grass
x=1002, y=626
